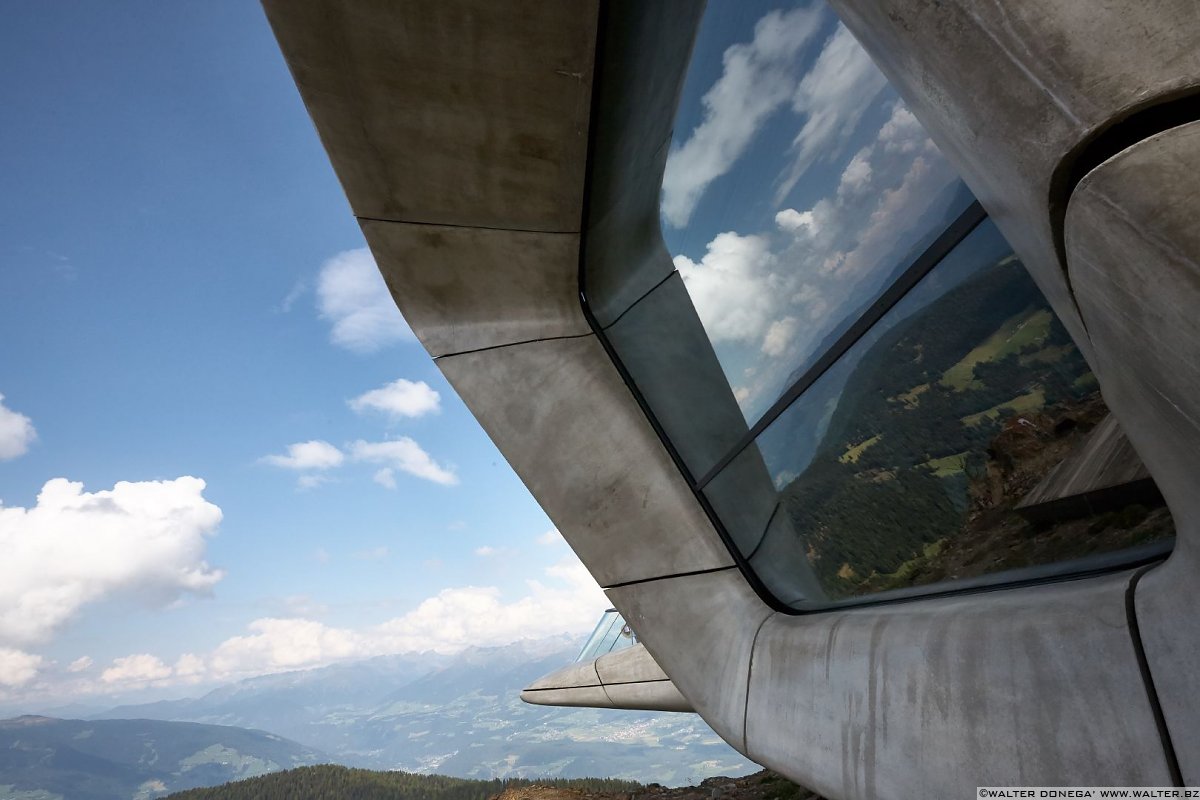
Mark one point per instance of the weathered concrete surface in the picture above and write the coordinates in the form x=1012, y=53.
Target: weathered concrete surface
x=1008, y=90
x=700, y=630
x=631, y=665
x=569, y=677
x=569, y=426
x=468, y=288
x=575, y=697
x=1033, y=687
x=1133, y=250
x=630, y=679
x=655, y=696
x=457, y=112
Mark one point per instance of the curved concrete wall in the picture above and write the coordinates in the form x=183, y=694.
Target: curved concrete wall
x=1133, y=253
x=927, y=698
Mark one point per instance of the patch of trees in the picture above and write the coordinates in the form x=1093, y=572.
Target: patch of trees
x=875, y=514
x=331, y=782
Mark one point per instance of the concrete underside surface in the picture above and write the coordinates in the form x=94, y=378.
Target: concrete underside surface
x=460, y=130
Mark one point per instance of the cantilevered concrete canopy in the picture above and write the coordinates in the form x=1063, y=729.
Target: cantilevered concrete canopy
x=482, y=151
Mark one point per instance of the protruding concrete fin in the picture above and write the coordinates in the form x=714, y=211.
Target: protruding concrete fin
x=629, y=679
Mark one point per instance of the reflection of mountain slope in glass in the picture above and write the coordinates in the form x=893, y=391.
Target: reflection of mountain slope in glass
x=908, y=466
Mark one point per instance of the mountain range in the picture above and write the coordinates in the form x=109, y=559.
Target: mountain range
x=48, y=759
x=459, y=715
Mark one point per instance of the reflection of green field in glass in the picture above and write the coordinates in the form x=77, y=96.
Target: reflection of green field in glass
x=912, y=398
x=852, y=453
x=1031, y=401
x=1015, y=334
x=945, y=423
x=948, y=465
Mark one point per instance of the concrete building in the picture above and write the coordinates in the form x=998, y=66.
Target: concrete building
x=854, y=349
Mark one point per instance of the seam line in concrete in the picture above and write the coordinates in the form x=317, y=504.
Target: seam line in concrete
x=596, y=670
x=633, y=683
x=513, y=344
x=1160, y=720
x=749, y=675
x=465, y=227
x=670, y=577
x=647, y=293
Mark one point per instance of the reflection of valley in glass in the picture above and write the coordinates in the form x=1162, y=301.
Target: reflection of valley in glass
x=947, y=443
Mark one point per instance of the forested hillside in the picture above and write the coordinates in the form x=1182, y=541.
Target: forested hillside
x=328, y=782
x=941, y=427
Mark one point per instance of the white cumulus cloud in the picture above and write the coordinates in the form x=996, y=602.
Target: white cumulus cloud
x=315, y=454
x=74, y=547
x=140, y=668
x=400, y=398
x=353, y=298
x=17, y=667
x=567, y=600
x=405, y=455
x=779, y=335
x=16, y=433
x=81, y=664
x=766, y=300
x=733, y=286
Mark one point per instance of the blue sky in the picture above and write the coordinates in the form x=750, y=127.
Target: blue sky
x=167, y=218
x=186, y=296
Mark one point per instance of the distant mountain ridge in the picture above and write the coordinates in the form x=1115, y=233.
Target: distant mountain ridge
x=459, y=715
x=42, y=758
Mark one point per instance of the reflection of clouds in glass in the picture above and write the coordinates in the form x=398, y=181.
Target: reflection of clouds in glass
x=732, y=287
x=833, y=96
x=771, y=298
x=758, y=79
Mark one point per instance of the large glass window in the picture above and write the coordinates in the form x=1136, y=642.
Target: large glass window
x=962, y=435
x=849, y=365
x=798, y=187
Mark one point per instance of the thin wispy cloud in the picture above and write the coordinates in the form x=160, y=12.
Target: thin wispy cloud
x=832, y=97
x=298, y=290
x=353, y=298
x=405, y=455
x=758, y=79
x=385, y=477
x=81, y=664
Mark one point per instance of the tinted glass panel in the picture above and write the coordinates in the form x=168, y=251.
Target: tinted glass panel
x=962, y=435
x=798, y=187
x=610, y=635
